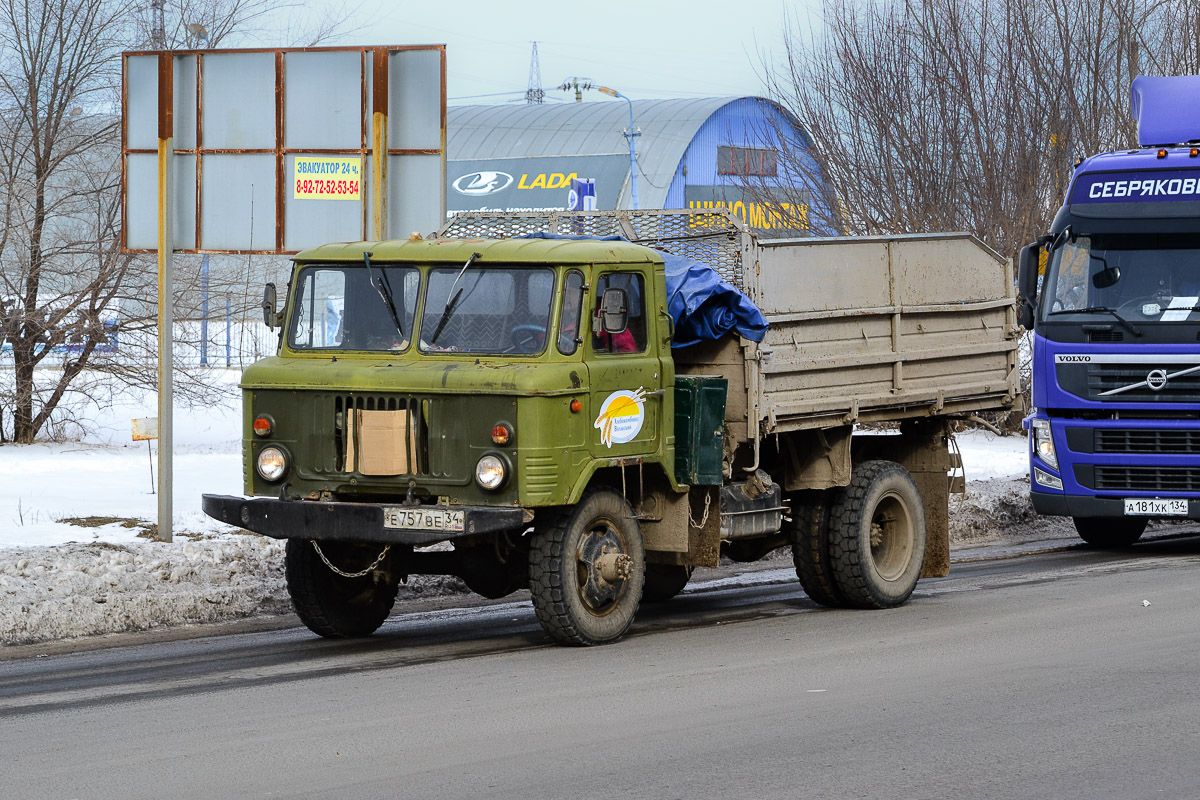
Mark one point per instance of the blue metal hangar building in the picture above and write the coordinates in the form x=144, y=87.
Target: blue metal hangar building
x=737, y=152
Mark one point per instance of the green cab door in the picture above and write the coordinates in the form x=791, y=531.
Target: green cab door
x=624, y=366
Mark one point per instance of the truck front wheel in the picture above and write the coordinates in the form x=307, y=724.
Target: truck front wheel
x=877, y=536
x=586, y=570
x=330, y=604
x=1110, y=532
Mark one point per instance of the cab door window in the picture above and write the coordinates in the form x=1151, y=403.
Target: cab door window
x=568, y=318
x=631, y=339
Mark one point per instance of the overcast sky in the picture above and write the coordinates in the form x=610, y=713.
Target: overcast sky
x=696, y=48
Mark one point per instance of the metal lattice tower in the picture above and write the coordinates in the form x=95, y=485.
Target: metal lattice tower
x=158, y=34
x=535, y=94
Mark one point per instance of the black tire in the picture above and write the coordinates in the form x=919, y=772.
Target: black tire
x=1112, y=533
x=877, y=536
x=327, y=603
x=809, y=532
x=573, y=601
x=664, y=581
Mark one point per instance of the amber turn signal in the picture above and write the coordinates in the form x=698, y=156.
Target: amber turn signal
x=501, y=434
x=1162, y=153
x=263, y=426
x=576, y=406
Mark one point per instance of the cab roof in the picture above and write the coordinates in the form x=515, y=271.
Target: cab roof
x=500, y=251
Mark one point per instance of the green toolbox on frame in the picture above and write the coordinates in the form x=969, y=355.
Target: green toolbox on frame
x=699, y=429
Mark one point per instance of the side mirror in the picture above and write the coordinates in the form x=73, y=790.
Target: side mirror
x=270, y=314
x=1027, y=277
x=614, y=308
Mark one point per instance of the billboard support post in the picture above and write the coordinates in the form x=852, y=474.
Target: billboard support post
x=166, y=257
x=379, y=144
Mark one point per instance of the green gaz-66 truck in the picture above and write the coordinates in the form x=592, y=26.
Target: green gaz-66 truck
x=511, y=411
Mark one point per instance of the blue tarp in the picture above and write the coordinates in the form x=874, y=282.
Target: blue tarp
x=703, y=305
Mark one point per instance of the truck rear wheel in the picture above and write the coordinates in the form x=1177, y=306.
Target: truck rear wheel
x=809, y=532
x=877, y=536
x=664, y=581
x=329, y=604
x=1110, y=532
x=586, y=570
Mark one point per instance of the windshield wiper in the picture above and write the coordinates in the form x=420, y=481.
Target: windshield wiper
x=1099, y=310
x=453, y=300
x=384, y=287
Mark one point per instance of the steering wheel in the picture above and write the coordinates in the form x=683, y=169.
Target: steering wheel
x=527, y=338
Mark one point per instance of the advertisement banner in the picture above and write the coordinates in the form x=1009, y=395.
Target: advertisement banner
x=531, y=184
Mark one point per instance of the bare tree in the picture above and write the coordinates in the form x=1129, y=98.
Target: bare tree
x=60, y=264
x=225, y=23
x=67, y=291
x=929, y=115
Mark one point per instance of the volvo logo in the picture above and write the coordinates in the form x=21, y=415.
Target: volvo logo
x=1156, y=379
x=475, y=184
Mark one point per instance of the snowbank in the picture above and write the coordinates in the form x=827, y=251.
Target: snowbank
x=73, y=590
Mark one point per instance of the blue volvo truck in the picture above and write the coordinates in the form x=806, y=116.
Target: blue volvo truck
x=1112, y=295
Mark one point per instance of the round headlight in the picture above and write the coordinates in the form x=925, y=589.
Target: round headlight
x=272, y=463
x=489, y=472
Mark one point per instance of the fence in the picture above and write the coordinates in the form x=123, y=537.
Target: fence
x=227, y=342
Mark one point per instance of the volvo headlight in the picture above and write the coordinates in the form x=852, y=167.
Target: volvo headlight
x=1043, y=443
x=272, y=463
x=490, y=472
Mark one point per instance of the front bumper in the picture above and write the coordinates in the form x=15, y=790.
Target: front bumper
x=1062, y=505
x=357, y=522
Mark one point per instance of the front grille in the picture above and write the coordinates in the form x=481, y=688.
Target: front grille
x=1093, y=380
x=417, y=434
x=1167, y=480
x=1144, y=440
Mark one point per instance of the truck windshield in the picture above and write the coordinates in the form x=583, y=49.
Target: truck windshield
x=487, y=310
x=344, y=308
x=1135, y=278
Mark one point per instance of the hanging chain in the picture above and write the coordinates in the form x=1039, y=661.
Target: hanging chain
x=372, y=566
x=704, y=520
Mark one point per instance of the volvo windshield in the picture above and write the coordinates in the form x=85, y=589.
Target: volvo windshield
x=1132, y=281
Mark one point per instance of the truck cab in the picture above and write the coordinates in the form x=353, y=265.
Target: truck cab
x=1112, y=295
x=441, y=391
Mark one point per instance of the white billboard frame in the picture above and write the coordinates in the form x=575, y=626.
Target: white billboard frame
x=234, y=158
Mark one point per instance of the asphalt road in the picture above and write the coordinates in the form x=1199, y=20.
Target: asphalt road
x=1043, y=676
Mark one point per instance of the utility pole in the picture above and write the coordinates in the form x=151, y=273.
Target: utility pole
x=535, y=94
x=631, y=135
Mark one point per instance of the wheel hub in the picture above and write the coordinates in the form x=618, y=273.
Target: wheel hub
x=602, y=567
x=891, y=537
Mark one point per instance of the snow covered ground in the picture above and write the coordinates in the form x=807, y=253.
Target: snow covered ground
x=77, y=521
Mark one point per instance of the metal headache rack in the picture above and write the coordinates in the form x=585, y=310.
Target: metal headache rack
x=713, y=236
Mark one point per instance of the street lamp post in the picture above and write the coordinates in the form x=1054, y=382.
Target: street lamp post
x=630, y=134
